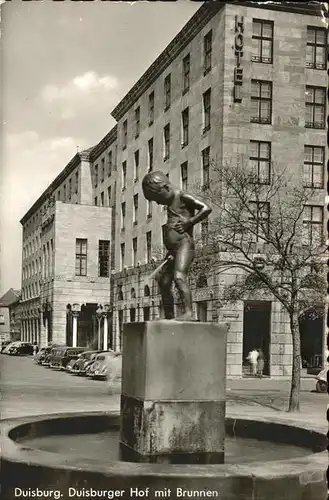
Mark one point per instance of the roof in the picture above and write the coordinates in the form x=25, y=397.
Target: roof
x=189, y=31
x=10, y=297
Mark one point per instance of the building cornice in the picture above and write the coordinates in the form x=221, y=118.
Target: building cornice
x=74, y=162
x=104, y=143
x=189, y=31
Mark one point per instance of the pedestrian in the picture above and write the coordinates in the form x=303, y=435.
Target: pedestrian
x=35, y=348
x=260, y=363
x=252, y=358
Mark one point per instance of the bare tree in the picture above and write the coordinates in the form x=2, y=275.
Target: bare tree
x=272, y=229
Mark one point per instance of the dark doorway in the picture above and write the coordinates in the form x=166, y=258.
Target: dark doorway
x=257, y=332
x=132, y=315
x=69, y=325
x=146, y=311
x=311, y=337
x=201, y=311
x=88, y=326
x=120, y=328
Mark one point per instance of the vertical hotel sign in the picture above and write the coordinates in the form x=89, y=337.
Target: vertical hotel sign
x=238, y=52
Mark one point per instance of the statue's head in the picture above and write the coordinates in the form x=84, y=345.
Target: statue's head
x=156, y=187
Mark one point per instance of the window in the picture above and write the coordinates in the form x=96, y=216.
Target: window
x=186, y=74
x=76, y=182
x=124, y=175
x=95, y=201
x=167, y=92
x=150, y=155
x=124, y=134
x=80, y=257
x=102, y=199
x=148, y=246
x=148, y=209
x=70, y=189
x=262, y=41
x=104, y=258
x=261, y=101
x=166, y=140
x=183, y=169
x=313, y=224
x=110, y=161
x=184, y=131
x=151, y=108
x=259, y=217
x=136, y=165
x=260, y=161
x=137, y=121
x=132, y=315
x=207, y=49
x=316, y=48
x=135, y=209
x=134, y=252
x=96, y=176
x=109, y=196
x=102, y=169
x=122, y=256
x=206, y=110
x=64, y=192
x=59, y=194
x=315, y=107
x=205, y=167
x=313, y=166
x=123, y=215
x=204, y=231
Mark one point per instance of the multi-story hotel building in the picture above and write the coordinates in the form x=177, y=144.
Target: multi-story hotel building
x=239, y=83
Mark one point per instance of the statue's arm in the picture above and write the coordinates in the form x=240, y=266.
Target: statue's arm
x=202, y=209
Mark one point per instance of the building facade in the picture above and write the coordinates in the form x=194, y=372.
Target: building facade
x=10, y=315
x=240, y=83
x=66, y=267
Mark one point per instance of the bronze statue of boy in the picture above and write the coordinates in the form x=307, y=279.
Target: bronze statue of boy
x=178, y=239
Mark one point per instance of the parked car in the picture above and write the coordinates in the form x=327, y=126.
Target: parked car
x=43, y=353
x=84, y=361
x=71, y=364
x=321, y=381
x=19, y=349
x=61, y=356
x=99, y=368
x=4, y=344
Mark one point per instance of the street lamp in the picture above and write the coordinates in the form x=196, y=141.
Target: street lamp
x=99, y=315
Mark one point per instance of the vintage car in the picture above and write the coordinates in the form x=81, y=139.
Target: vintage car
x=19, y=349
x=71, y=364
x=5, y=344
x=61, y=356
x=84, y=360
x=100, y=367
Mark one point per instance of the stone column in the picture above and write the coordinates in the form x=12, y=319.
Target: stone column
x=43, y=330
x=107, y=310
x=75, y=316
x=76, y=308
x=173, y=392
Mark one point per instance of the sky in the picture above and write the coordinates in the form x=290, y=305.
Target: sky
x=64, y=67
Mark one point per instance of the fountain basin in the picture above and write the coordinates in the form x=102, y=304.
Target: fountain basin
x=67, y=467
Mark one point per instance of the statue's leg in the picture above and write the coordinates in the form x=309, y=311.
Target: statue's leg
x=165, y=280
x=183, y=260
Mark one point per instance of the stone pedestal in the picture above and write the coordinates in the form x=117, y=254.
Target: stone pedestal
x=173, y=392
